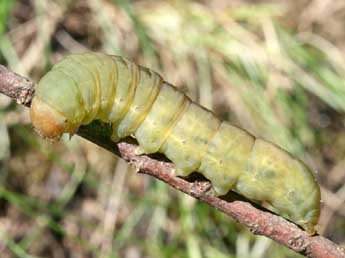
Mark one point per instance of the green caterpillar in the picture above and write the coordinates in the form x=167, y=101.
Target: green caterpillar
x=138, y=102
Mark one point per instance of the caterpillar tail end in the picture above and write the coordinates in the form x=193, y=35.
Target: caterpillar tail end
x=47, y=121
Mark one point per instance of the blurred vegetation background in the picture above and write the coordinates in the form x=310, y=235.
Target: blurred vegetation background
x=276, y=68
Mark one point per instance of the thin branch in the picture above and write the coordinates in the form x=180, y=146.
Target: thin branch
x=16, y=86
x=258, y=221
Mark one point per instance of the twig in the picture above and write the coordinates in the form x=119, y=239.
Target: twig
x=258, y=221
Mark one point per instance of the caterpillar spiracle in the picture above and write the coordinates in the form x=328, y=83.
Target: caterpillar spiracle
x=137, y=102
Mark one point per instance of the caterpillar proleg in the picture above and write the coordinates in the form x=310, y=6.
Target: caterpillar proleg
x=137, y=102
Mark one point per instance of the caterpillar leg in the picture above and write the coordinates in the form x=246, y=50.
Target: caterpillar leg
x=140, y=151
x=179, y=172
x=114, y=137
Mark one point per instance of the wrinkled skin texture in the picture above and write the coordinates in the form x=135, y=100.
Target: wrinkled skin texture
x=137, y=102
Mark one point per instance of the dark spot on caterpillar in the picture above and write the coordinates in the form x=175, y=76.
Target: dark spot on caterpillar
x=291, y=194
x=267, y=173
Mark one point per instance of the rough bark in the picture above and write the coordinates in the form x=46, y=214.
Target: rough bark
x=257, y=220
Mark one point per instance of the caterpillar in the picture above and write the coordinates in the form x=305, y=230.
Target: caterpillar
x=137, y=102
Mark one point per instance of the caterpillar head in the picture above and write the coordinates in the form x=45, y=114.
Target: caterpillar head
x=57, y=106
x=48, y=122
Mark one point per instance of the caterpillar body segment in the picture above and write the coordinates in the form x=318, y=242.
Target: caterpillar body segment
x=125, y=86
x=147, y=89
x=188, y=141
x=87, y=81
x=227, y=157
x=165, y=112
x=137, y=102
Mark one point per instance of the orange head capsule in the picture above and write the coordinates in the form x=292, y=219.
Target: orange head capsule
x=47, y=121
